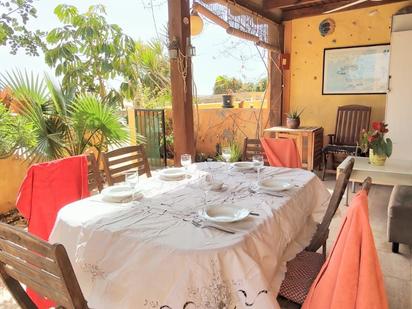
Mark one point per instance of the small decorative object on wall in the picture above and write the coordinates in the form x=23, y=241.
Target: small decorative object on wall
x=293, y=119
x=356, y=70
x=379, y=147
x=327, y=27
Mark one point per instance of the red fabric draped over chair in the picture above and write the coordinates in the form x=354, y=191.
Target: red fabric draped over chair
x=46, y=188
x=351, y=277
x=281, y=152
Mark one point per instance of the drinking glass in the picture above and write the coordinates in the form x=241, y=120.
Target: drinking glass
x=226, y=154
x=258, y=162
x=205, y=184
x=131, y=178
x=185, y=160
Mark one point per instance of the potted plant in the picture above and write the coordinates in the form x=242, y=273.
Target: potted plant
x=374, y=140
x=228, y=99
x=293, y=119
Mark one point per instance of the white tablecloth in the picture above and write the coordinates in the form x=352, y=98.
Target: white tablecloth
x=148, y=254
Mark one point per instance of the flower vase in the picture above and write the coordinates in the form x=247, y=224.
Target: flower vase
x=376, y=159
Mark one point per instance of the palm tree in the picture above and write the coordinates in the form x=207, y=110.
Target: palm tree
x=64, y=124
x=146, y=74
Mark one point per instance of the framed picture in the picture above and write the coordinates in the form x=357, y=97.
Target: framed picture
x=356, y=70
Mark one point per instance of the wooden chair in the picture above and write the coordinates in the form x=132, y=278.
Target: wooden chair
x=350, y=120
x=95, y=179
x=124, y=159
x=309, y=262
x=253, y=147
x=42, y=267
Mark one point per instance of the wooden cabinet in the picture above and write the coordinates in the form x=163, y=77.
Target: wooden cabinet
x=309, y=141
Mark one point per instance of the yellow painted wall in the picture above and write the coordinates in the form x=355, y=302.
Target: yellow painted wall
x=356, y=27
x=13, y=171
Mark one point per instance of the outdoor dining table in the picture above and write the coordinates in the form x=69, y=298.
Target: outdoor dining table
x=149, y=254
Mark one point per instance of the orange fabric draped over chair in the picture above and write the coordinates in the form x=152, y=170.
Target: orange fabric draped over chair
x=46, y=188
x=351, y=277
x=281, y=152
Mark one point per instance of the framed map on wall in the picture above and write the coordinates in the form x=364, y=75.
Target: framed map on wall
x=356, y=70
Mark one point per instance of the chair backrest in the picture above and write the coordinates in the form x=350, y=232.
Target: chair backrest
x=323, y=229
x=42, y=267
x=121, y=160
x=95, y=179
x=350, y=120
x=253, y=147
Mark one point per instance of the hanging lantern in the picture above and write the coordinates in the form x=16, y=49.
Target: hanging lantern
x=196, y=24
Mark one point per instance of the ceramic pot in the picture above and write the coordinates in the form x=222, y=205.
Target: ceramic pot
x=376, y=159
x=227, y=101
x=293, y=123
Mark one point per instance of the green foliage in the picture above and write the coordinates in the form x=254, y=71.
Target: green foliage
x=88, y=51
x=13, y=27
x=15, y=133
x=227, y=85
x=295, y=114
x=147, y=76
x=63, y=125
x=235, y=153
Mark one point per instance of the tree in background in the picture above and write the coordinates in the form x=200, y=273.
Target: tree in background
x=88, y=52
x=147, y=75
x=225, y=84
x=13, y=27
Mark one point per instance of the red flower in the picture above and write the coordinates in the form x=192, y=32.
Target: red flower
x=380, y=126
x=371, y=138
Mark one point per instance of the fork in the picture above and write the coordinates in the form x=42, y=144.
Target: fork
x=199, y=224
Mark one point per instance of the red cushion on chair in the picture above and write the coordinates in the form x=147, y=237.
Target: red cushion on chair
x=301, y=272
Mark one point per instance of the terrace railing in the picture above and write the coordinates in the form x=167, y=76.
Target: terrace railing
x=151, y=124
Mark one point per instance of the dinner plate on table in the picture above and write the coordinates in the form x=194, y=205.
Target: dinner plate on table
x=120, y=194
x=224, y=213
x=242, y=166
x=172, y=174
x=273, y=185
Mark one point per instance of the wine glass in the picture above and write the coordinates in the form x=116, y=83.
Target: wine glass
x=226, y=154
x=185, y=160
x=206, y=185
x=258, y=163
x=131, y=178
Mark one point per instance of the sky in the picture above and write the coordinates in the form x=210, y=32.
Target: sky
x=217, y=52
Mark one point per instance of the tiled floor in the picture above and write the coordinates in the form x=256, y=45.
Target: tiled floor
x=397, y=268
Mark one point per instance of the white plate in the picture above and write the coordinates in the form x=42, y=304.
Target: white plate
x=224, y=213
x=172, y=173
x=243, y=166
x=120, y=194
x=274, y=185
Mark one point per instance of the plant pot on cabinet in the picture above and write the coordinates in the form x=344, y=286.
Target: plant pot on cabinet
x=293, y=123
x=376, y=159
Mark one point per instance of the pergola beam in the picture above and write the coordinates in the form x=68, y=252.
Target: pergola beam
x=321, y=8
x=181, y=79
x=248, y=9
x=280, y=4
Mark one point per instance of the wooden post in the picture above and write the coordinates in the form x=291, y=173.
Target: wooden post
x=181, y=80
x=287, y=49
x=275, y=77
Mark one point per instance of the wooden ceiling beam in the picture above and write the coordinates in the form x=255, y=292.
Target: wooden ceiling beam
x=280, y=4
x=289, y=14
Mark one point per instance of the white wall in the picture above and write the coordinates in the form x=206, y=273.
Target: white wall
x=399, y=99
